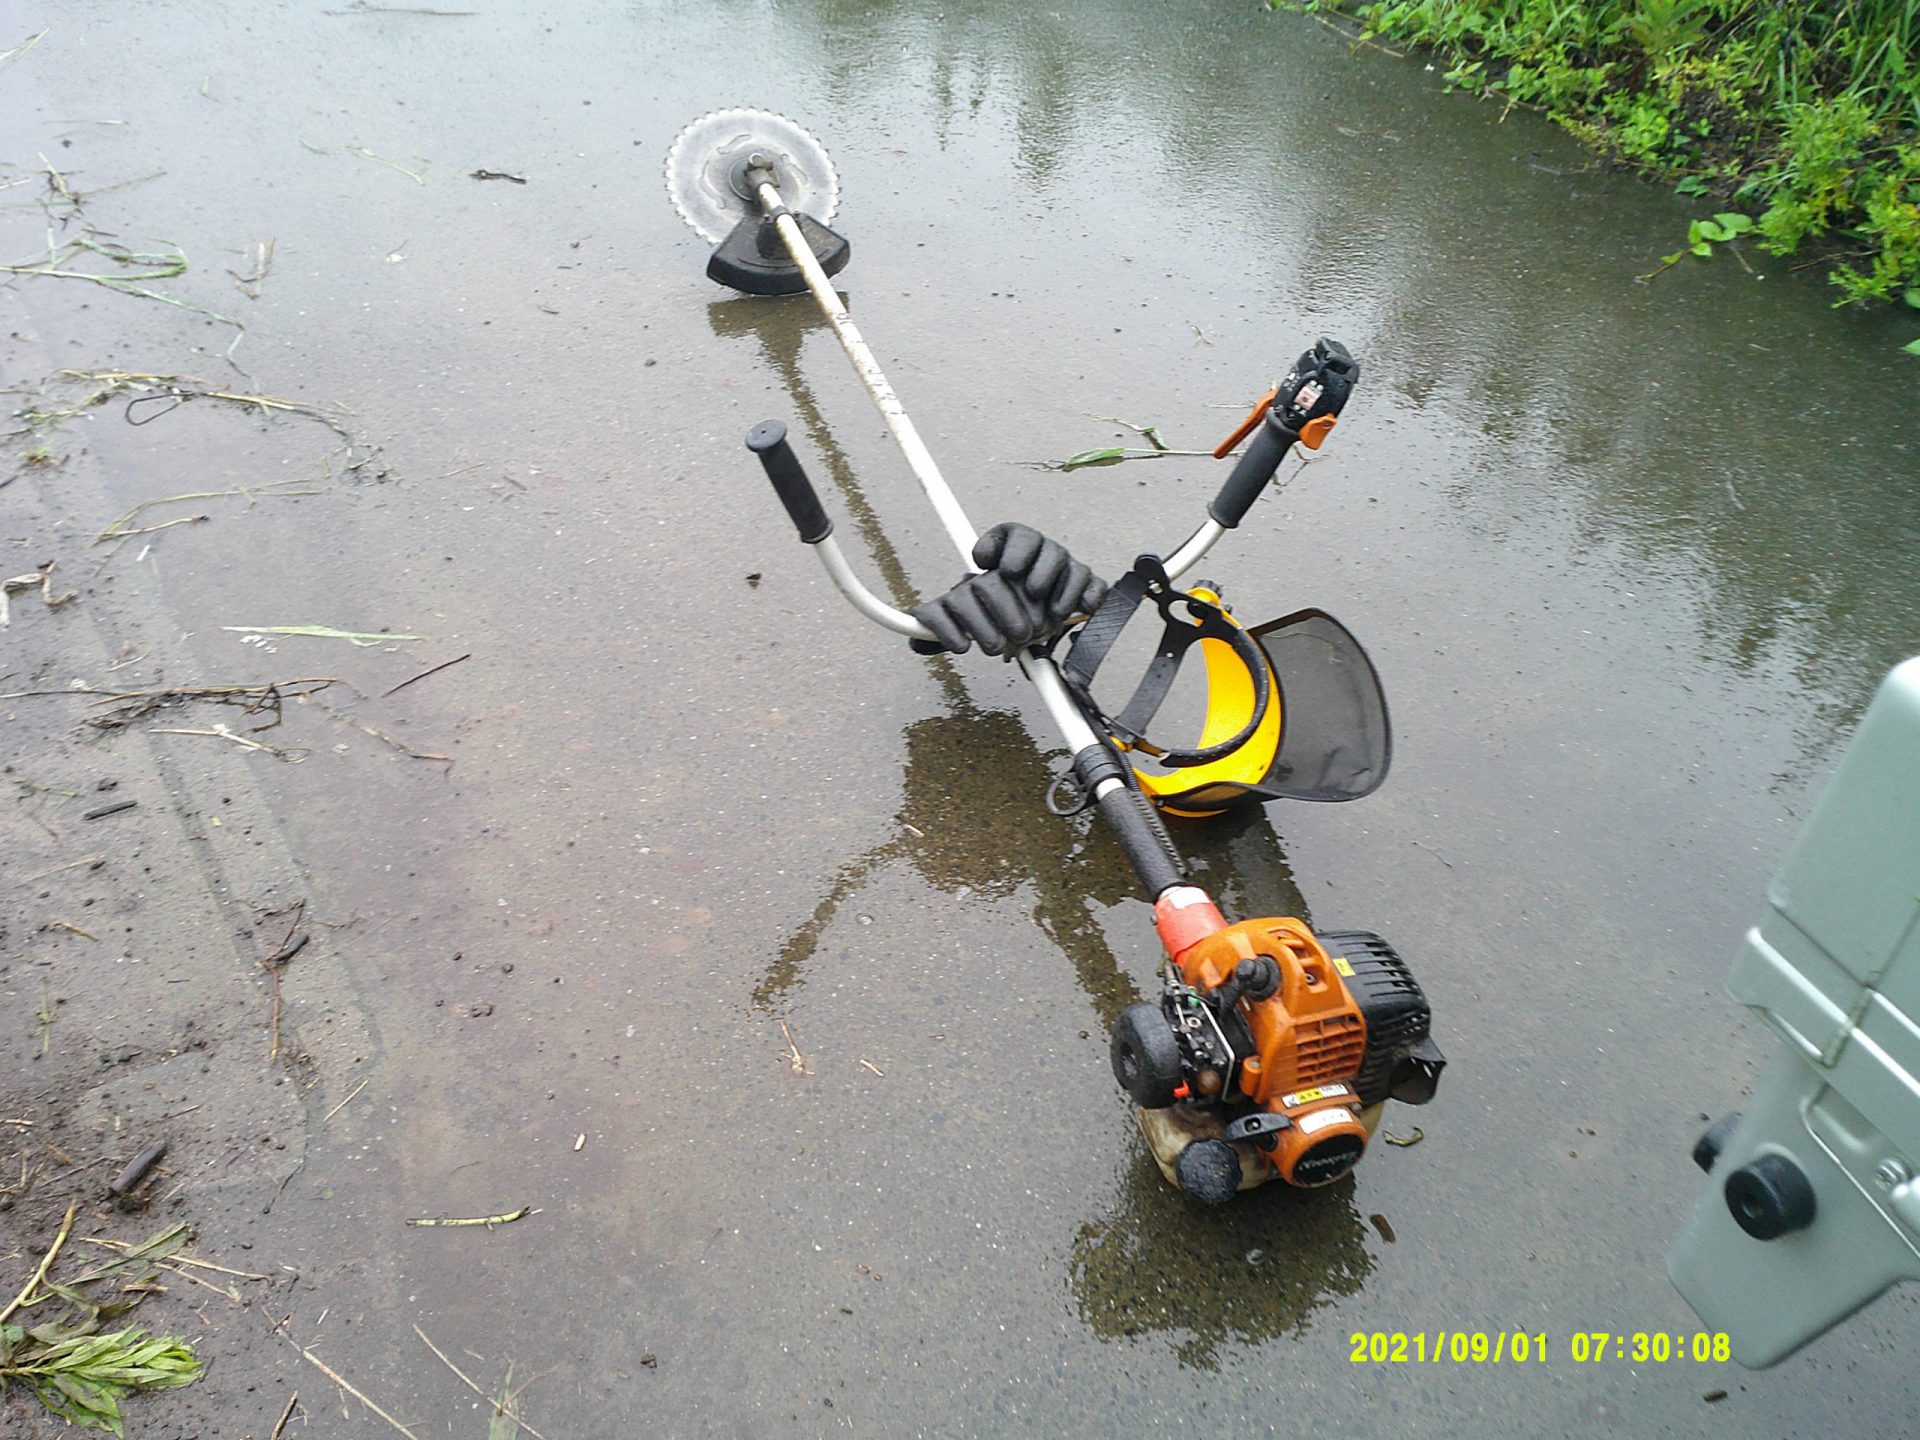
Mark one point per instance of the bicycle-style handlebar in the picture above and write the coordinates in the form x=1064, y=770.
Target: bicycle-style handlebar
x=1270, y=444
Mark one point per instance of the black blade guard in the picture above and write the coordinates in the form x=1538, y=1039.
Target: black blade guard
x=754, y=260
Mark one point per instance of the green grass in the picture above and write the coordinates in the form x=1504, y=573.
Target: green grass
x=1801, y=115
x=74, y=1370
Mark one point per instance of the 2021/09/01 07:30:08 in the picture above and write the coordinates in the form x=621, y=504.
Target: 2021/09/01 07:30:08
x=1656, y=1347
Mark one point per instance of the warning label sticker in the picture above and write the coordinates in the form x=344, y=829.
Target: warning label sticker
x=1307, y=1097
x=1320, y=1119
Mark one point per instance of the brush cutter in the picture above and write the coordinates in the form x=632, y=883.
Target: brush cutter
x=1272, y=1049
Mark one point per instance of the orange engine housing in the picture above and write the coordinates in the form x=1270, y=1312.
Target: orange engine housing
x=1309, y=1032
x=1309, y=1036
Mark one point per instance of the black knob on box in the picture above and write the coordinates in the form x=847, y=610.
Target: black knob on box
x=1770, y=1197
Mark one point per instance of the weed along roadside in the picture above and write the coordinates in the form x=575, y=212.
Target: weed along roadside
x=1801, y=121
x=61, y=1354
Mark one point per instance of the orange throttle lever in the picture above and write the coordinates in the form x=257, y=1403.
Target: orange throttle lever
x=1225, y=447
x=1314, y=433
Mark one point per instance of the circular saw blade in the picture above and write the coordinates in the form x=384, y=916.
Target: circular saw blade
x=702, y=164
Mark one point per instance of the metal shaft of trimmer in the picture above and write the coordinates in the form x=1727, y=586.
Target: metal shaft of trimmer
x=919, y=459
x=1130, y=814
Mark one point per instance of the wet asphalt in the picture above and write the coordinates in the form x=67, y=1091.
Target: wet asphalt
x=735, y=939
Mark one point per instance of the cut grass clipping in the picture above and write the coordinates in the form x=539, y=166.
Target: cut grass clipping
x=76, y=1372
x=83, y=1378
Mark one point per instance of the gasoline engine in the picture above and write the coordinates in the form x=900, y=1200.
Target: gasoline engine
x=1271, y=1050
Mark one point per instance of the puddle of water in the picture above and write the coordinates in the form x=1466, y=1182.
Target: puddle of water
x=1629, y=558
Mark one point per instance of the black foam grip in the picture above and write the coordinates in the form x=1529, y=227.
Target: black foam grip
x=1142, y=835
x=1262, y=457
x=768, y=440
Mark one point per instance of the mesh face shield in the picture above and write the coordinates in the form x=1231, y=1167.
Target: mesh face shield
x=1325, y=735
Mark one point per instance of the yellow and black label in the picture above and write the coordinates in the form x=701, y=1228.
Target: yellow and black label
x=1307, y=1097
x=1340, y=964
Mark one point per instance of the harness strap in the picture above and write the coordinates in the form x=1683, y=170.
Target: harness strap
x=1203, y=621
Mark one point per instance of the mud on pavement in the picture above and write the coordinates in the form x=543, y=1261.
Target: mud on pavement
x=165, y=978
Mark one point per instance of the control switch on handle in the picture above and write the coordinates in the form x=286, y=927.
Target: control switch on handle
x=1301, y=409
x=1316, y=389
x=768, y=440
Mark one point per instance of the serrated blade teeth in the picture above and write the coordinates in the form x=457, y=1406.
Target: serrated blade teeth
x=703, y=157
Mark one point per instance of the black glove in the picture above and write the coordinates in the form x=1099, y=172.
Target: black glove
x=1030, y=587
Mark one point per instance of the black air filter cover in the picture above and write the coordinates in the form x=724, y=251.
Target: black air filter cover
x=1402, y=1062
